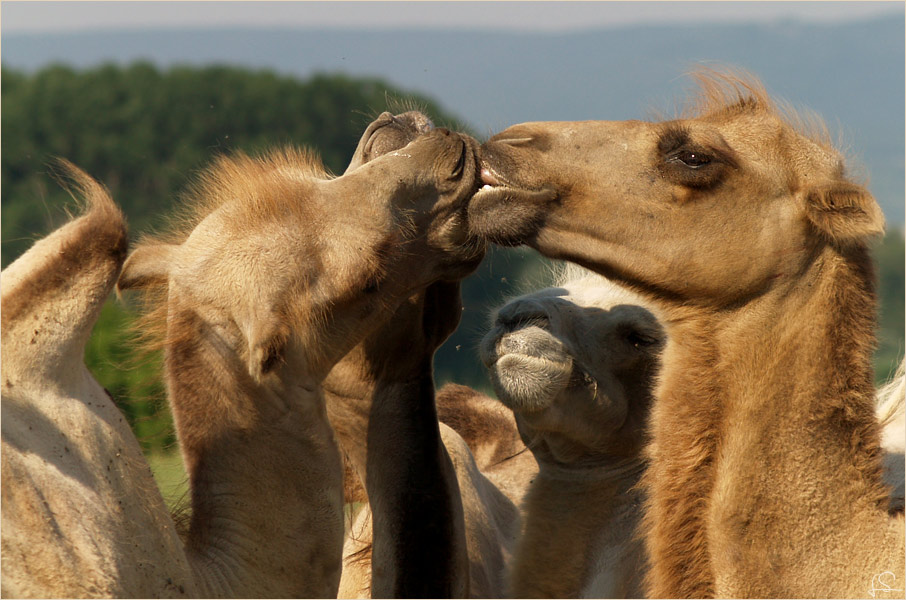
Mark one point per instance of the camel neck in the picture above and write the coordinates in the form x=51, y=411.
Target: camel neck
x=579, y=535
x=606, y=473
x=264, y=474
x=764, y=427
x=419, y=524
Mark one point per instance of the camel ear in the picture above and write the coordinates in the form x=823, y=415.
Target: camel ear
x=267, y=347
x=147, y=266
x=844, y=212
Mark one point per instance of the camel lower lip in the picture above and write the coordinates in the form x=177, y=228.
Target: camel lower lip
x=504, y=192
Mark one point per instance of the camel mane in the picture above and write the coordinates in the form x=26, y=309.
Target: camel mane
x=263, y=187
x=260, y=186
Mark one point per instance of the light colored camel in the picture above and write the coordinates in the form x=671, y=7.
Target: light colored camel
x=576, y=365
x=82, y=516
x=742, y=228
x=891, y=410
x=280, y=272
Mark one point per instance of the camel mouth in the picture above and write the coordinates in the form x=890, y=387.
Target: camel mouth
x=492, y=194
x=527, y=383
x=497, y=187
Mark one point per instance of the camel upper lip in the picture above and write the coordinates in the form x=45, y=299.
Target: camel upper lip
x=488, y=177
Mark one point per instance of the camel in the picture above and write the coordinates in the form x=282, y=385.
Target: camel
x=276, y=275
x=738, y=222
x=489, y=431
x=576, y=364
x=891, y=411
x=380, y=402
x=82, y=515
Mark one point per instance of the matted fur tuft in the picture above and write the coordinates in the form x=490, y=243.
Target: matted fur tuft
x=260, y=186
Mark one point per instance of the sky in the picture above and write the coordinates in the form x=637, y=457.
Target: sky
x=40, y=16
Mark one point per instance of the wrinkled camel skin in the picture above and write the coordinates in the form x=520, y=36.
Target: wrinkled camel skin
x=741, y=227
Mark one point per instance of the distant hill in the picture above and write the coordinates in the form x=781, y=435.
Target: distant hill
x=852, y=74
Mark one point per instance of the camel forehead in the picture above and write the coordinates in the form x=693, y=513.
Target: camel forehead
x=592, y=291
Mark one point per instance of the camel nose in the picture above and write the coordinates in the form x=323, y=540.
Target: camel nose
x=522, y=312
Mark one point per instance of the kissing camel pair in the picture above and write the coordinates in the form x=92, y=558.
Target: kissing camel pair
x=764, y=463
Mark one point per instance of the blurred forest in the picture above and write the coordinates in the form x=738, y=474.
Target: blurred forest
x=144, y=132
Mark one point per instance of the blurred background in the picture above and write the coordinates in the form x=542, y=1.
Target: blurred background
x=143, y=94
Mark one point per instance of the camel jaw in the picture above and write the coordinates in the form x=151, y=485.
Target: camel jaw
x=506, y=214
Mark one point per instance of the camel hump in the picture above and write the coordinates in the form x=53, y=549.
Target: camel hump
x=53, y=293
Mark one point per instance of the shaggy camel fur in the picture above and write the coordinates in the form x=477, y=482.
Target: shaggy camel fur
x=82, y=515
x=277, y=275
x=765, y=461
x=576, y=365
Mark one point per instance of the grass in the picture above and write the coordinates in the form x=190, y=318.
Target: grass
x=170, y=476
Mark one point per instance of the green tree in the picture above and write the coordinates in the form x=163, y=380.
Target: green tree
x=144, y=132
x=890, y=255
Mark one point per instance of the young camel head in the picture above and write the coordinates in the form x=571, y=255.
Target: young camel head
x=576, y=365
x=679, y=206
x=276, y=251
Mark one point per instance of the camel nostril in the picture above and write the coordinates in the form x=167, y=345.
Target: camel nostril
x=514, y=141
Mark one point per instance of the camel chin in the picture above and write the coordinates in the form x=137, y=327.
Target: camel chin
x=524, y=376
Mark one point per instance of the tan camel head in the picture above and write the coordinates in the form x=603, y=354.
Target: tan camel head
x=275, y=246
x=576, y=365
x=676, y=206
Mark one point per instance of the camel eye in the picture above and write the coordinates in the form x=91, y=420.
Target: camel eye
x=639, y=340
x=691, y=158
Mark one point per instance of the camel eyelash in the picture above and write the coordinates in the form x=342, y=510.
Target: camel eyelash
x=676, y=144
x=673, y=138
